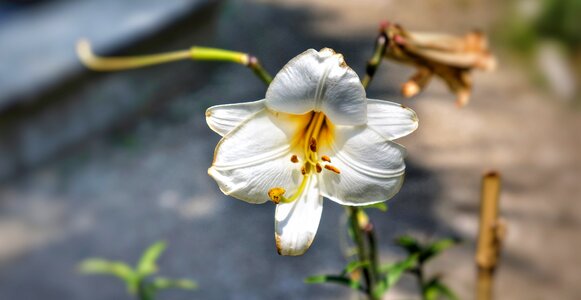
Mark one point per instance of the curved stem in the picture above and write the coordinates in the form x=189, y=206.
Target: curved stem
x=98, y=63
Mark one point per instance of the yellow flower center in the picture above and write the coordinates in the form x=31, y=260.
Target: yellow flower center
x=317, y=131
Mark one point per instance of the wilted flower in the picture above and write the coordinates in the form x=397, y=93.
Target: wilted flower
x=447, y=56
x=315, y=135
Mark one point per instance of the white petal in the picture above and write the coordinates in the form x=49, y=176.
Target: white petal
x=371, y=167
x=391, y=120
x=296, y=223
x=224, y=118
x=255, y=156
x=319, y=81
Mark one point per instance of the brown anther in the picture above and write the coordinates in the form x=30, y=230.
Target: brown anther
x=276, y=194
x=303, y=170
x=294, y=159
x=318, y=168
x=313, y=144
x=326, y=158
x=333, y=169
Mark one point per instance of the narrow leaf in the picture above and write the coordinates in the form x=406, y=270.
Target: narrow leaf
x=148, y=263
x=435, y=288
x=354, y=265
x=161, y=283
x=114, y=268
x=394, y=272
x=334, y=279
x=382, y=206
x=410, y=244
x=105, y=267
x=437, y=248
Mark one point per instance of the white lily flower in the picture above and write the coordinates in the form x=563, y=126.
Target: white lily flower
x=315, y=135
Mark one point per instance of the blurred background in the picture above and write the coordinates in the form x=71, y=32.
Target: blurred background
x=104, y=164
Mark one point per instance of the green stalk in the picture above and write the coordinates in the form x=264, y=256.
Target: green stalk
x=366, y=252
x=373, y=63
x=98, y=63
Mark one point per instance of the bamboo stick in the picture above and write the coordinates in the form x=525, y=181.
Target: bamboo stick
x=491, y=233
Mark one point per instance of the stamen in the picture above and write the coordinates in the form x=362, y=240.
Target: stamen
x=313, y=144
x=326, y=158
x=303, y=170
x=294, y=159
x=318, y=168
x=333, y=169
x=276, y=194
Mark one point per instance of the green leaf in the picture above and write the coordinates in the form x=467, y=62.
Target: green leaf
x=426, y=252
x=342, y=280
x=380, y=289
x=394, y=272
x=147, y=264
x=432, y=250
x=105, y=267
x=410, y=244
x=118, y=269
x=354, y=265
x=382, y=206
x=438, y=247
x=162, y=283
x=434, y=289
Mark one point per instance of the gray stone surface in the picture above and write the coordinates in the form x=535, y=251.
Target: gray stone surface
x=38, y=40
x=49, y=101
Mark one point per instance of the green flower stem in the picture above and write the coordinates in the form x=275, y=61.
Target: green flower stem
x=145, y=292
x=97, y=63
x=373, y=63
x=372, y=242
x=367, y=248
x=258, y=70
x=366, y=251
x=419, y=273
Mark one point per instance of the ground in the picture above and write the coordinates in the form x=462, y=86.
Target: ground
x=123, y=190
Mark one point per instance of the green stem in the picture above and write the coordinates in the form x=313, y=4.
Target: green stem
x=372, y=241
x=365, y=253
x=98, y=63
x=373, y=63
x=258, y=70
x=145, y=291
x=419, y=272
